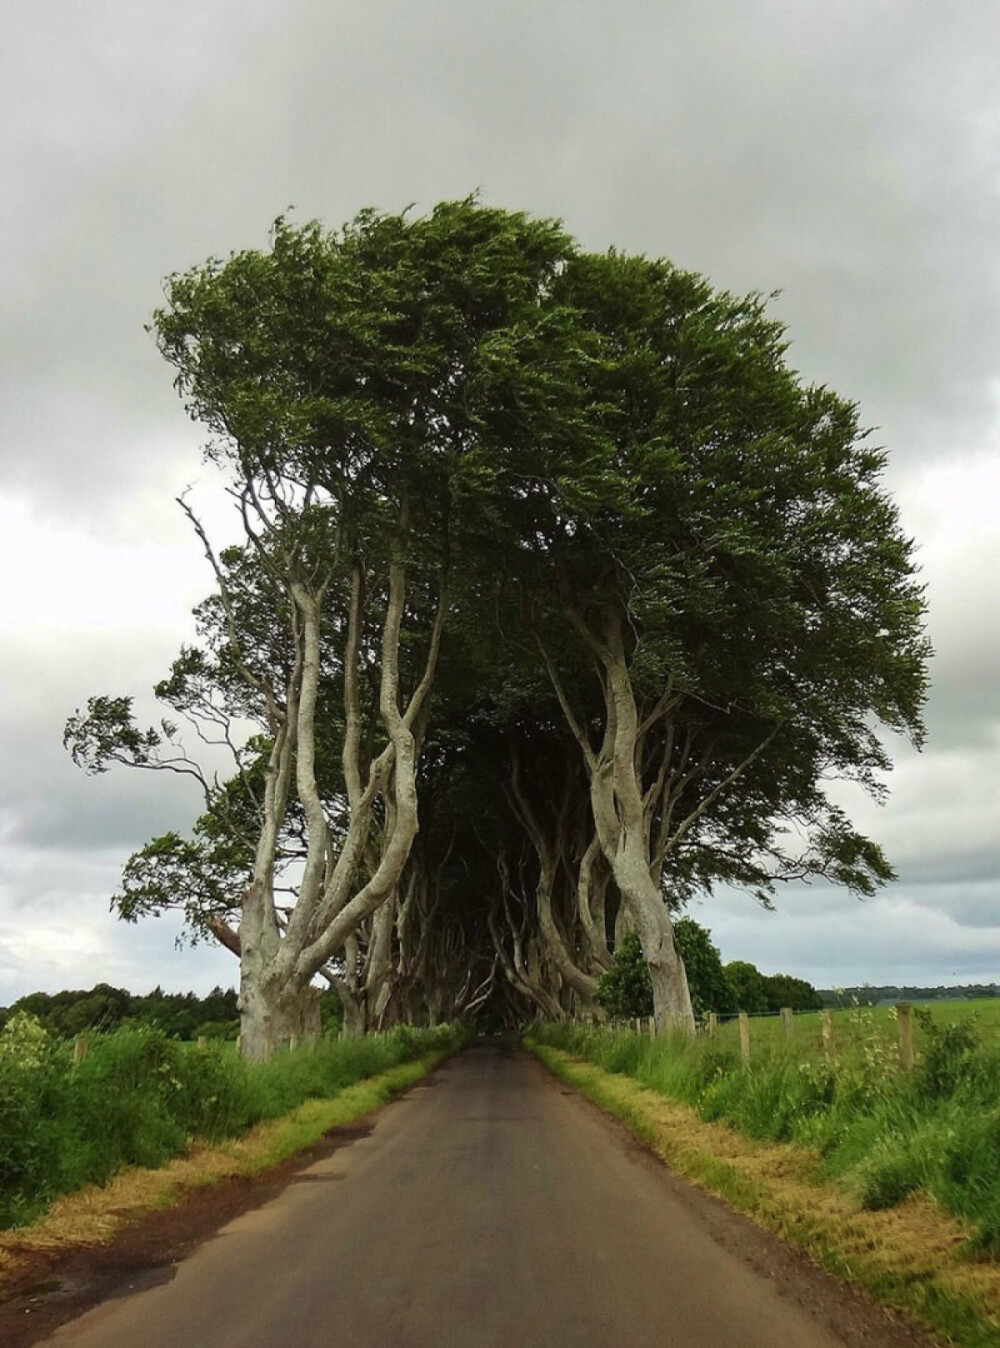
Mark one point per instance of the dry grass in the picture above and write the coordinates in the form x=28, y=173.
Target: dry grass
x=913, y=1257
x=93, y=1215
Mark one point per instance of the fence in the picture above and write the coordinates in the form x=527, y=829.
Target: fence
x=833, y=1033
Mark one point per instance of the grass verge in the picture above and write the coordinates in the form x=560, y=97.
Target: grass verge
x=93, y=1215
x=138, y=1098
x=912, y=1258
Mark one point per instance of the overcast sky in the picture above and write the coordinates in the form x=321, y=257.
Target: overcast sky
x=848, y=155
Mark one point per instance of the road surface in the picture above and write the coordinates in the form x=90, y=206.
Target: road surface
x=489, y=1208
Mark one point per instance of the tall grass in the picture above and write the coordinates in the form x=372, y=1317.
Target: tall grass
x=879, y=1131
x=139, y=1098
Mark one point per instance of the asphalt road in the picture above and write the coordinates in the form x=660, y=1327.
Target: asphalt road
x=489, y=1208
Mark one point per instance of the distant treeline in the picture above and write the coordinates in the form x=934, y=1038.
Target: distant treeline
x=180, y=1015
x=868, y=995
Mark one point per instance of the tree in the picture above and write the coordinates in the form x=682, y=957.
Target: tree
x=463, y=431
x=710, y=989
x=345, y=378
x=712, y=539
x=625, y=990
x=747, y=983
x=784, y=990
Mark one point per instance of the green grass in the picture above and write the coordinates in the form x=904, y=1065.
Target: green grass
x=879, y=1132
x=139, y=1098
x=852, y=1024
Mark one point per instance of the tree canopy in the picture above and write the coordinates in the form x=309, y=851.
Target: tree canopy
x=562, y=598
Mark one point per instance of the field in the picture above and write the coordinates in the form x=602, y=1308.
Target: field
x=857, y=1028
x=878, y=1131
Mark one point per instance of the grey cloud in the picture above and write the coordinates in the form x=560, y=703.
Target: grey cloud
x=56, y=932
x=838, y=156
x=969, y=901
x=947, y=876
x=48, y=802
x=839, y=941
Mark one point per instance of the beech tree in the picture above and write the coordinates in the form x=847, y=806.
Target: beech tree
x=343, y=378
x=714, y=544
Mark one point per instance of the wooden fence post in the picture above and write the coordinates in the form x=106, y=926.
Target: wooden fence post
x=744, y=1036
x=904, y=1015
x=652, y=1025
x=826, y=1020
x=713, y=1021
x=638, y=1025
x=786, y=1021
x=80, y=1047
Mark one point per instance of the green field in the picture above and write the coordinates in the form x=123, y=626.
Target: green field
x=855, y=1029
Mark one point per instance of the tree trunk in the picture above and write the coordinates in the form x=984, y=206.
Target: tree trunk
x=269, y=1020
x=590, y=896
x=354, y=1017
x=622, y=821
x=645, y=912
x=582, y=983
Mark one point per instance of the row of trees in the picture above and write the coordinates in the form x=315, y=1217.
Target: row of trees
x=561, y=598
x=180, y=1015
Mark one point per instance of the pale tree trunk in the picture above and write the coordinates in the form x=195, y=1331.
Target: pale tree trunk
x=352, y=1022
x=262, y=1023
x=583, y=984
x=279, y=957
x=547, y=850
x=354, y=1016
x=333, y=914
x=271, y=1019
x=591, y=890
x=379, y=982
x=620, y=793
x=646, y=914
x=326, y=913
x=520, y=976
x=622, y=821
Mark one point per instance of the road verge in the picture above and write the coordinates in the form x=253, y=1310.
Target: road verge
x=912, y=1258
x=95, y=1216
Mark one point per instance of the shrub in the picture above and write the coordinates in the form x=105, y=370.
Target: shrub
x=626, y=991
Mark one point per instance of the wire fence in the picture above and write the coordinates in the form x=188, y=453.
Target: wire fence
x=836, y=1032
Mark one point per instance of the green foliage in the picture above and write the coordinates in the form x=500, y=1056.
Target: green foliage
x=710, y=989
x=625, y=990
x=784, y=990
x=138, y=1098
x=747, y=984
x=180, y=1015
x=107, y=733
x=948, y=1056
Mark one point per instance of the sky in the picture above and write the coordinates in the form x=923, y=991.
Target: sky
x=845, y=155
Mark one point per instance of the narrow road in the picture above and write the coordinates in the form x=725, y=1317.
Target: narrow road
x=489, y=1208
